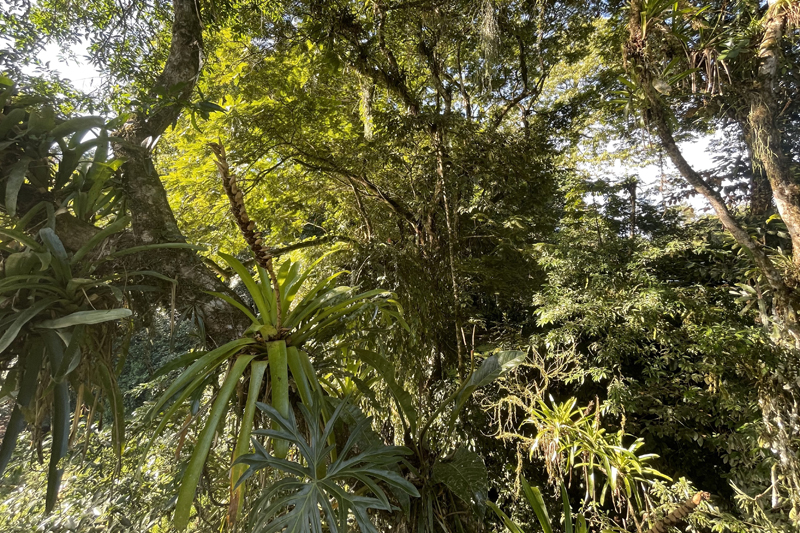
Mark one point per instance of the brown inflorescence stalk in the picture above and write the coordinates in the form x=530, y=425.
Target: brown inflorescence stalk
x=262, y=254
x=684, y=510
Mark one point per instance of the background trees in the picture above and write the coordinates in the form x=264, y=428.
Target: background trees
x=456, y=154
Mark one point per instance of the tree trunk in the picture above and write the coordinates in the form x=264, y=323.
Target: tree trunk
x=656, y=115
x=766, y=136
x=152, y=219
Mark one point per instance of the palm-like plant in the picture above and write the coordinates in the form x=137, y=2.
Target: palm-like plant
x=323, y=483
x=287, y=316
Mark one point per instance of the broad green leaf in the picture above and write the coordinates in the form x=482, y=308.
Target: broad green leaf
x=512, y=526
x=195, y=467
x=567, y=510
x=279, y=391
x=20, y=264
x=465, y=475
x=23, y=317
x=257, y=369
x=60, y=421
x=252, y=287
x=534, y=497
x=85, y=317
x=21, y=238
x=16, y=178
x=492, y=368
x=41, y=120
x=149, y=247
x=14, y=117
x=72, y=356
x=77, y=124
x=27, y=388
x=211, y=358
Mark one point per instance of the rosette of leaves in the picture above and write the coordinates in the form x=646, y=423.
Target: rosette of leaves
x=56, y=315
x=570, y=438
x=327, y=483
x=314, y=313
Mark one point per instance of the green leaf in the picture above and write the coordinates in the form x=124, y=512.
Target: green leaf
x=114, y=395
x=21, y=238
x=567, y=510
x=14, y=117
x=20, y=264
x=211, y=359
x=41, y=120
x=85, y=317
x=179, y=362
x=149, y=247
x=303, y=500
x=114, y=227
x=465, y=475
x=252, y=287
x=512, y=526
x=230, y=300
x=279, y=381
x=23, y=317
x=60, y=421
x=536, y=502
x=72, y=357
x=257, y=370
x=27, y=388
x=16, y=178
x=77, y=124
x=492, y=368
x=195, y=467
x=385, y=369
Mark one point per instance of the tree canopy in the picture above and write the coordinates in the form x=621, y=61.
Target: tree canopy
x=395, y=265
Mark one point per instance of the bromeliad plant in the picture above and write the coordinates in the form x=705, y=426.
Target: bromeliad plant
x=57, y=314
x=570, y=438
x=288, y=315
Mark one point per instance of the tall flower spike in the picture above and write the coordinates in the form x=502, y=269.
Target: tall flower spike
x=684, y=510
x=262, y=254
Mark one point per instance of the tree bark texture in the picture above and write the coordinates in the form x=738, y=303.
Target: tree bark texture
x=152, y=219
x=767, y=145
x=656, y=114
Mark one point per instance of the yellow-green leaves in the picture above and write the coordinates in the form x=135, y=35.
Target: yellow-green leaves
x=279, y=376
x=195, y=467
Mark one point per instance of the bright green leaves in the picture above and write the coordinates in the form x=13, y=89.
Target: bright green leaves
x=195, y=467
x=319, y=315
x=279, y=376
x=573, y=523
x=570, y=439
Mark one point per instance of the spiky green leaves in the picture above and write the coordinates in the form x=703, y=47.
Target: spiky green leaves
x=324, y=478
